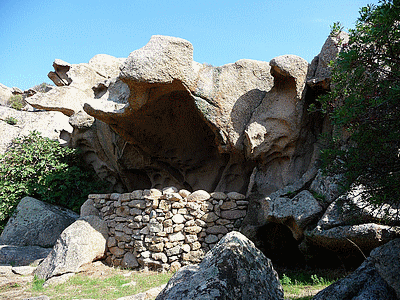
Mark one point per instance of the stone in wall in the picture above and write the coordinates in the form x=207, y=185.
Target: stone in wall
x=166, y=229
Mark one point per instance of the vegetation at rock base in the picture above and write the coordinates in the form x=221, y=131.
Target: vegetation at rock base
x=11, y=120
x=39, y=167
x=16, y=102
x=364, y=105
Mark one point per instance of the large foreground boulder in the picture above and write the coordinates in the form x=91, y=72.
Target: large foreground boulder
x=233, y=269
x=82, y=242
x=35, y=223
x=378, y=278
x=22, y=256
x=363, y=284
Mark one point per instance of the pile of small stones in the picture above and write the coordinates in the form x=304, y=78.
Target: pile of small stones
x=166, y=229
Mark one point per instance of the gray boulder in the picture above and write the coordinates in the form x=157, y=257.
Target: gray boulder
x=36, y=223
x=350, y=220
x=5, y=94
x=319, y=75
x=326, y=186
x=386, y=260
x=349, y=239
x=296, y=213
x=363, y=284
x=82, y=242
x=22, y=256
x=233, y=269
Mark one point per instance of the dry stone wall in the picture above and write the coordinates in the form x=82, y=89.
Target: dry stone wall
x=166, y=229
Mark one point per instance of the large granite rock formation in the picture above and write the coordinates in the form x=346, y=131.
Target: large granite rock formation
x=158, y=119
x=233, y=269
x=165, y=120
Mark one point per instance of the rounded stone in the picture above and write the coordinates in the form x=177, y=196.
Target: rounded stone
x=178, y=219
x=129, y=261
x=210, y=239
x=219, y=195
x=184, y=193
x=169, y=190
x=199, y=195
x=236, y=196
x=175, y=266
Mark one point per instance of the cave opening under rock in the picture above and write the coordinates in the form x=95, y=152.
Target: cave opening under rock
x=277, y=243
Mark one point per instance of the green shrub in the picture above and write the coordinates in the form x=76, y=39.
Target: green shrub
x=39, y=167
x=11, y=120
x=364, y=106
x=16, y=102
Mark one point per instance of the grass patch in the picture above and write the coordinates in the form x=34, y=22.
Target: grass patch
x=108, y=287
x=304, y=284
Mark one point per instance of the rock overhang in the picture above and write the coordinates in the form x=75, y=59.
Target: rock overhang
x=226, y=119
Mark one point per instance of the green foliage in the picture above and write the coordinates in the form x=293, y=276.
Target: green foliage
x=364, y=105
x=16, y=102
x=37, y=284
x=104, y=287
x=303, y=284
x=286, y=280
x=39, y=167
x=11, y=120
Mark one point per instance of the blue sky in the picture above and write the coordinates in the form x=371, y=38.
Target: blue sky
x=35, y=32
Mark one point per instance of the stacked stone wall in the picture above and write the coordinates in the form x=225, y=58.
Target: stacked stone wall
x=166, y=229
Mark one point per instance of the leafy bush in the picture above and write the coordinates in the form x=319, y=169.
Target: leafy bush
x=364, y=105
x=11, y=120
x=39, y=167
x=16, y=102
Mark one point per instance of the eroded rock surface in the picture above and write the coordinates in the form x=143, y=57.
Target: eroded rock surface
x=53, y=125
x=82, y=242
x=233, y=269
x=35, y=223
x=22, y=255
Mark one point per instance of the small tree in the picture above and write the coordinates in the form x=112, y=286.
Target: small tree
x=364, y=105
x=39, y=167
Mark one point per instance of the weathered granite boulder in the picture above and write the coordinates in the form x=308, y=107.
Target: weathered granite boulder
x=350, y=223
x=5, y=94
x=386, y=260
x=327, y=187
x=363, y=284
x=233, y=269
x=82, y=242
x=53, y=125
x=320, y=73
x=349, y=239
x=377, y=278
x=22, y=256
x=296, y=213
x=88, y=209
x=35, y=223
